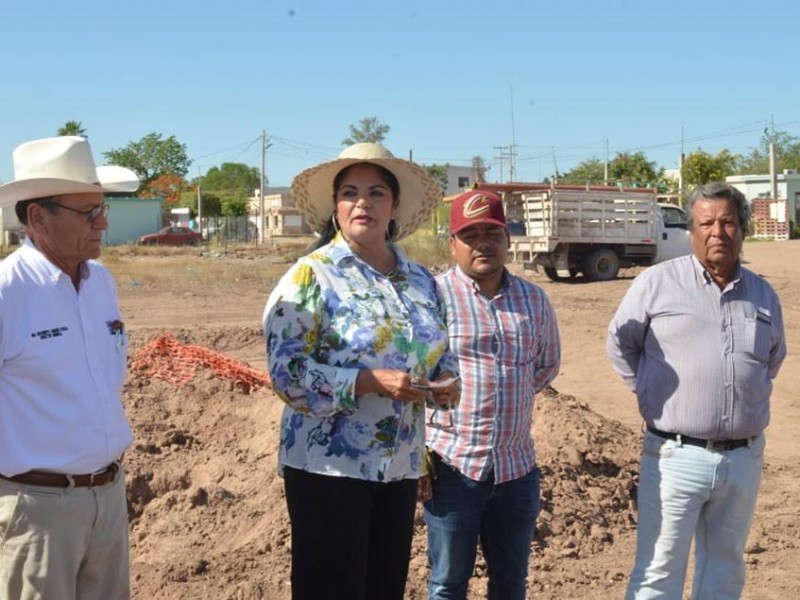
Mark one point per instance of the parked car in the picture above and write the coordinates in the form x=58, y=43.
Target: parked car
x=171, y=236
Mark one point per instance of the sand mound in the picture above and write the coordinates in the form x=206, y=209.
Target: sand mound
x=207, y=508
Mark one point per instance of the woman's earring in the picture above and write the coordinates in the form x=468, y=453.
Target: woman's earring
x=335, y=224
x=391, y=230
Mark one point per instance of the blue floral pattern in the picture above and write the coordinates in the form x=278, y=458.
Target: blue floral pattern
x=328, y=317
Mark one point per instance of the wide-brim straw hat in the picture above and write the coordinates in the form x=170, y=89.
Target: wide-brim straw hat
x=62, y=165
x=420, y=193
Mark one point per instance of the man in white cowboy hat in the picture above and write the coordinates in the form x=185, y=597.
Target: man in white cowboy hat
x=63, y=511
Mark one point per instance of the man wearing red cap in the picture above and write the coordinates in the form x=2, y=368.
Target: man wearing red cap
x=486, y=487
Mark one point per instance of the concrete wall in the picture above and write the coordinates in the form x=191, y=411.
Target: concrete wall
x=129, y=218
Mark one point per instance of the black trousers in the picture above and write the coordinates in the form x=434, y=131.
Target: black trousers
x=351, y=539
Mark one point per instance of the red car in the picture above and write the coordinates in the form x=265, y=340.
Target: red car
x=171, y=236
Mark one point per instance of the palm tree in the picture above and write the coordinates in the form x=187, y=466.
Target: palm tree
x=72, y=128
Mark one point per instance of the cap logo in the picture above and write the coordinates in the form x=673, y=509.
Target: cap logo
x=474, y=207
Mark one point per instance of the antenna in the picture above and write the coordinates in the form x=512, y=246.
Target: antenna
x=512, y=166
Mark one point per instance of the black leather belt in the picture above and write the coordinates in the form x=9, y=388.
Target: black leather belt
x=713, y=445
x=59, y=480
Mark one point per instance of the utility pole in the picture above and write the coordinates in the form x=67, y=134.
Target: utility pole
x=773, y=172
x=681, y=158
x=502, y=150
x=262, y=180
x=199, y=209
x=199, y=204
x=555, y=167
x=512, y=163
x=605, y=166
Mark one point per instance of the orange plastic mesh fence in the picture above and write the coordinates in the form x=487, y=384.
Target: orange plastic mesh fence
x=167, y=358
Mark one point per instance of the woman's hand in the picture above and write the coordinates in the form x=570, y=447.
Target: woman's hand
x=397, y=385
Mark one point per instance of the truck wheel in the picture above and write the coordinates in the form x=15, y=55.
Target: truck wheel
x=601, y=265
x=552, y=274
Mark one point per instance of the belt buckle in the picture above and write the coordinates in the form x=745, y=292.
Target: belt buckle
x=718, y=445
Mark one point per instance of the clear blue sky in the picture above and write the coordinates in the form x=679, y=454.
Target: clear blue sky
x=452, y=79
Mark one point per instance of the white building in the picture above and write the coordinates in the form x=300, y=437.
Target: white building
x=281, y=217
x=787, y=186
x=459, y=179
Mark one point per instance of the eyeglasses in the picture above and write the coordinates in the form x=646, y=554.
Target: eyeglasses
x=91, y=215
x=434, y=423
x=445, y=420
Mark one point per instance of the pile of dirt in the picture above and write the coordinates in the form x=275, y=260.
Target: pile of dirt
x=208, y=516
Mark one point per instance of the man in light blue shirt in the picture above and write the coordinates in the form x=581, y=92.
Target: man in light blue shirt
x=699, y=339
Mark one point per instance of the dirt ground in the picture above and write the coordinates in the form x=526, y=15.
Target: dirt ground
x=208, y=518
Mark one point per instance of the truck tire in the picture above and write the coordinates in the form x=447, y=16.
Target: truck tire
x=552, y=274
x=601, y=265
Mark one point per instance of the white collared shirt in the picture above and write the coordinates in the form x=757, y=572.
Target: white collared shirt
x=62, y=366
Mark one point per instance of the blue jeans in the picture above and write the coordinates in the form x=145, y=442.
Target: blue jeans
x=502, y=516
x=686, y=492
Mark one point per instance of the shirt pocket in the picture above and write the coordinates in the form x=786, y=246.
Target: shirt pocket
x=757, y=335
x=519, y=340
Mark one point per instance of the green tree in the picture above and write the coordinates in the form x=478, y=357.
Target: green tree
x=591, y=171
x=701, y=167
x=234, y=207
x=212, y=205
x=787, y=154
x=634, y=170
x=479, y=169
x=369, y=129
x=439, y=173
x=72, y=128
x=152, y=157
x=231, y=177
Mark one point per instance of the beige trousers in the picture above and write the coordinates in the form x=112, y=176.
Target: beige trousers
x=64, y=544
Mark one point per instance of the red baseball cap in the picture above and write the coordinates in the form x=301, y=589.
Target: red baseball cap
x=476, y=206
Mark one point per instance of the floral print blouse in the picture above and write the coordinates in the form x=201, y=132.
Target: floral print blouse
x=328, y=317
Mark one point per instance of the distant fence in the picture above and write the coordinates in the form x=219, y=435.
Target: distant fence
x=223, y=230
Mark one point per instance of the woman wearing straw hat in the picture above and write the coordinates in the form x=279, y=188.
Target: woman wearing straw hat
x=353, y=330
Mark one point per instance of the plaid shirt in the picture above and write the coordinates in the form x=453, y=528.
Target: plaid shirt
x=508, y=349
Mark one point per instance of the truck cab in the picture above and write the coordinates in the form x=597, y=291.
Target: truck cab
x=673, y=230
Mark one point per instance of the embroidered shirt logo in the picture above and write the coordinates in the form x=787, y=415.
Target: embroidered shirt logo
x=474, y=207
x=46, y=334
x=117, y=329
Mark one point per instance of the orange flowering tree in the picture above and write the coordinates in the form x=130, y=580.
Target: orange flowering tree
x=167, y=186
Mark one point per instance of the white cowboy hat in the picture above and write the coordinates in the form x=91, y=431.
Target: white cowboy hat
x=420, y=193
x=61, y=165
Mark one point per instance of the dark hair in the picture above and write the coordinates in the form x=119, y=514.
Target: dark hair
x=21, y=207
x=329, y=231
x=718, y=190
